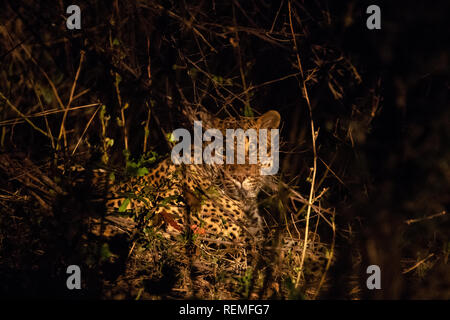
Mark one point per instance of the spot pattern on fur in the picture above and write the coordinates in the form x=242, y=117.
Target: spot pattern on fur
x=213, y=201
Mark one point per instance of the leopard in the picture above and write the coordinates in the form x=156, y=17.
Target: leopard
x=211, y=201
x=216, y=206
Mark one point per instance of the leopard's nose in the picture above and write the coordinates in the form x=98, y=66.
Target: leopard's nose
x=240, y=178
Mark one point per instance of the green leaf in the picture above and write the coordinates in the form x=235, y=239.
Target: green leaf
x=171, y=137
x=248, y=112
x=105, y=253
x=142, y=172
x=126, y=154
x=109, y=142
x=124, y=205
x=47, y=94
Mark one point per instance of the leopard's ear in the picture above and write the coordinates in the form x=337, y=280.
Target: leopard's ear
x=269, y=120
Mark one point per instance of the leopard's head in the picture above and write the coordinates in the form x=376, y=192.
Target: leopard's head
x=242, y=178
x=243, y=181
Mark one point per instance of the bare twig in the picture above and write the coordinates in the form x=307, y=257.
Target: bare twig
x=330, y=258
x=411, y=221
x=85, y=129
x=24, y=117
x=43, y=114
x=313, y=137
x=418, y=264
x=66, y=109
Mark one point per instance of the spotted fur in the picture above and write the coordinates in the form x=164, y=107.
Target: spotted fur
x=211, y=201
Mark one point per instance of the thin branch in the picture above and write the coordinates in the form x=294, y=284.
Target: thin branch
x=313, y=137
x=418, y=264
x=23, y=115
x=85, y=129
x=411, y=221
x=62, y=129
